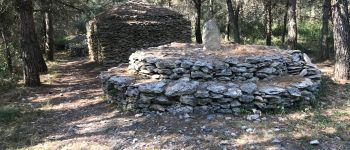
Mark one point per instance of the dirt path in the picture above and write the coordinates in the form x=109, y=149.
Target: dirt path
x=74, y=116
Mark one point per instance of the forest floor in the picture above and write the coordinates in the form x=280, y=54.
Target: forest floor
x=68, y=112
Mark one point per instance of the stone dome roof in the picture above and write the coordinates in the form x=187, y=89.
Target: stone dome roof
x=138, y=12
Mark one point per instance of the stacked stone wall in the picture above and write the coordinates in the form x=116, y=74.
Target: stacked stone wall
x=115, y=34
x=186, y=83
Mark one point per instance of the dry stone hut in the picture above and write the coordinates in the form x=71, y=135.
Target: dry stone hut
x=115, y=34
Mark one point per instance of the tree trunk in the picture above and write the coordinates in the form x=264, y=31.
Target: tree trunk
x=268, y=22
x=7, y=52
x=49, y=42
x=228, y=28
x=324, y=31
x=32, y=58
x=285, y=19
x=237, y=36
x=292, y=25
x=231, y=15
x=198, y=33
x=341, y=39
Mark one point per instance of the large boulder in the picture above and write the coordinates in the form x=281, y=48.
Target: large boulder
x=211, y=35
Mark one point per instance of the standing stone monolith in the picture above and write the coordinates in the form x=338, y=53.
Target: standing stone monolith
x=211, y=35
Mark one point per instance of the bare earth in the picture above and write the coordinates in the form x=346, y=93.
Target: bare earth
x=73, y=115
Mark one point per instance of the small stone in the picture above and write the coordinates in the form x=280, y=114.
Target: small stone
x=202, y=94
x=275, y=141
x=248, y=87
x=294, y=92
x=186, y=115
x=188, y=100
x=267, y=70
x=157, y=107
x=272, y=90
x=307, y=58
x=253, y=117
x=211, y=117
x=216, y=88
x=303, y=72
x=232, y=60
x=181, y=88
x=153, y=87
x=233, y=92
x=138, y=115
x=314, y=142
x=250, y=130
x=246, y=98
x=235, y=104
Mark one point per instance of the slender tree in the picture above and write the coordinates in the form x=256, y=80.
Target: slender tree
x=49, y=41
x=5, y=36
x=341, y=39
x=198, y=33
x=285, y=20
x=268, y=21
x=230, y=18
x=326, y=12
x=292, y=25
x=31, y=55
x=236, y=32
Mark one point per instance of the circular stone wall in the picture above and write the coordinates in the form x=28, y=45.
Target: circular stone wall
x=184, y=78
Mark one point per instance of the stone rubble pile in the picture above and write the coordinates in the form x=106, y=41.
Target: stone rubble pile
x=115, y=34
x=210, y=84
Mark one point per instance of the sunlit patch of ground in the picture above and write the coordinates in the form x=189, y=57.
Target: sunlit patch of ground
x=68, y=112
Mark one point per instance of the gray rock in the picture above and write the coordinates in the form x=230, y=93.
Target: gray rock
x=267, y=70
x=179, y=88
x=204, y=101
x=303, y=72
x=232, y=60
x=145, y=99
x=314, y=142
x=132, y=92
x=165, y=64
x=162, y=100
x=253, y=117
x=188, y=100
x=211, y=35
x=121, y=80
x=157, y=107
x=202, y=94
x=199, y=74
x=224, y=100
x=186, y=64
x=233, y=92
x=216, y=88
x=272, y=90
x=225, y=72
x=248, y=87
x=216, y=96
x=304, y=84
x=224, y=111
x=152, y=87
x=235, y=104
x=294, y=92
x=238, y=69
x=246, y=98
x=179, y=70
x=307, y=59
x=180, y=110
